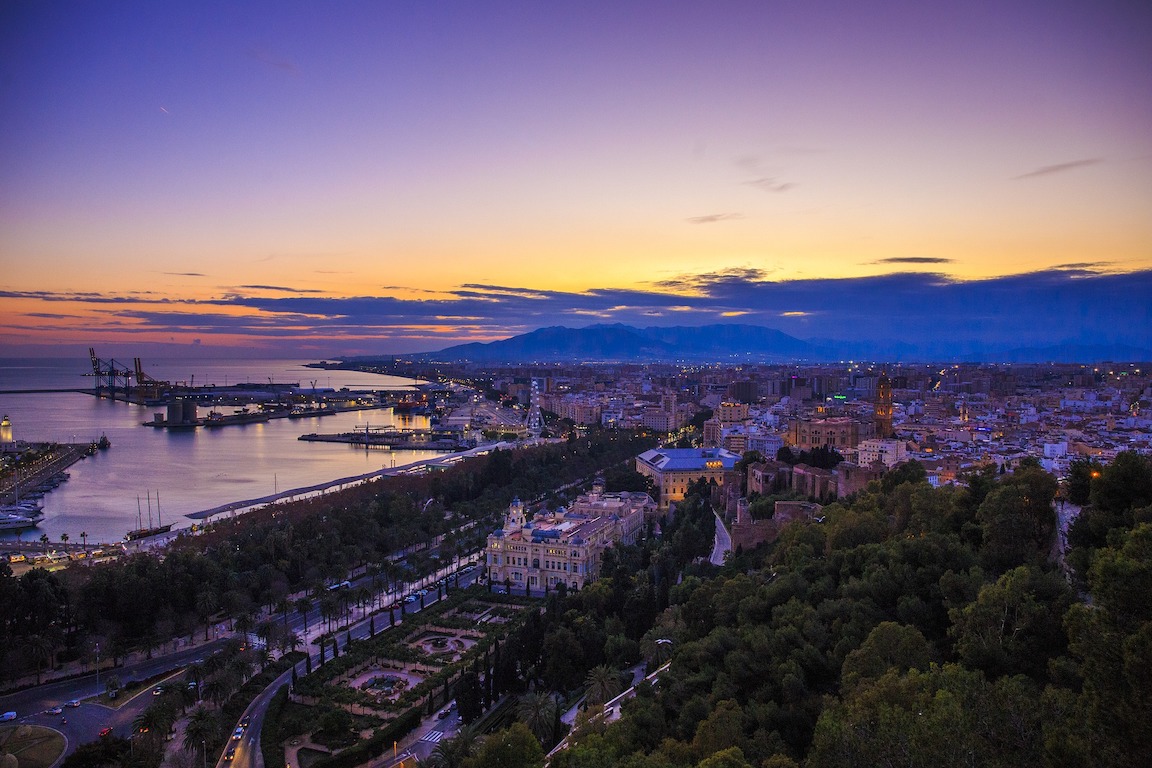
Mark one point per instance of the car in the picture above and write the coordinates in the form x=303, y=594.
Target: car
x=54, y=711
x=230, y=752
x=244, y=721
x=238, y=733
x=7, y=717
x=443, y=714
x=106, y=731
x=158, y=690
x=72, y=703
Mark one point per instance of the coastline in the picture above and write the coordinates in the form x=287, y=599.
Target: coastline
x=243, y=506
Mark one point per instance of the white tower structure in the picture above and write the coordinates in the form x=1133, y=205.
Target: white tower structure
x=535, y=421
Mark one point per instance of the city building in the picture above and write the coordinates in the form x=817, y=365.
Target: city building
x=834, y=432
x=889, y=452
x=564, y=546
x=673, y=469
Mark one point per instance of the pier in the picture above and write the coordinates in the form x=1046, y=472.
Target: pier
x=16, y=482
x=392, y=439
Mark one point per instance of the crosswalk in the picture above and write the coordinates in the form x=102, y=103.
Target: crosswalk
x=432, y=736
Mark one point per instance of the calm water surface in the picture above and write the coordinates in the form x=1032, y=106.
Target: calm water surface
x=190, y=470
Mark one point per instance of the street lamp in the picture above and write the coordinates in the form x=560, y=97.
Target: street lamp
x=97, y=669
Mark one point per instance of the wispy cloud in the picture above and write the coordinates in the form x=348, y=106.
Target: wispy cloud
x=185, y=274
x=914, y=260
x=1048, y=170
x=280, y=288
x=271, y=60
x=712, y=218
x=770, y=184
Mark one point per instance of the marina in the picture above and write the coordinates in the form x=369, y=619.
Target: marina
x=194, y=469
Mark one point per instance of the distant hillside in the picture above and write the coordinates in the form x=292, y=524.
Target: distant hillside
x=625, y=343
x=750, y=343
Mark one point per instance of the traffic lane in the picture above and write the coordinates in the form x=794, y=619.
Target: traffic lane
x=248, y=753
x=56, y=693
x=78, y=724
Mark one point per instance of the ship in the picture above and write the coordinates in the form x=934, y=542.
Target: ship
x=14, y=521
x=20, y=516
x=142, y=532
x=241, y=416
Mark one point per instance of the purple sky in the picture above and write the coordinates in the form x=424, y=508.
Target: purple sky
x=191, y=172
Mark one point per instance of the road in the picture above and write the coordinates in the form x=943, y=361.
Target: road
x=86, y=720
x=723, y=543
x=56, y=693
x=248, y=754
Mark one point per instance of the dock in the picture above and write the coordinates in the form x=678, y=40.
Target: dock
x=15, y=482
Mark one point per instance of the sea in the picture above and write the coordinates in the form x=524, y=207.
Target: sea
x=169, y=474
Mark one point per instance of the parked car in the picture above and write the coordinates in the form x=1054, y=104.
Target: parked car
x=106, y=731
x=73, y=703
x=7, y=716
x=54, y=711
x=443, y=714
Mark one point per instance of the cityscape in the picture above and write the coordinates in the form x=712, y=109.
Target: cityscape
x=575, y=385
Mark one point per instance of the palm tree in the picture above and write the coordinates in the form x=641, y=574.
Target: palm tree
x=44, y=539
x=303, y=605
x=219, y=687
x=84, y=538
x=283, y=605
x=537, y=710
x=205, y=606
x=451, y=753
x=64, y=539
x=244, y=623
x=202, y=727
x=156, y=721
x=603, y=683
x=40, y=648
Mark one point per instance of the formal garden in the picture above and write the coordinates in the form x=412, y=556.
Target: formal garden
x=409, y=668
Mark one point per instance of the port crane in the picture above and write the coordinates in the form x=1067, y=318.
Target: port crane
x=110, y=375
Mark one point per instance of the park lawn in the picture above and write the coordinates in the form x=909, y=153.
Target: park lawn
x=33, y=745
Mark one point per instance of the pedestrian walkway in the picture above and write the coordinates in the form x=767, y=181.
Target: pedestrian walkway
x=432, y=736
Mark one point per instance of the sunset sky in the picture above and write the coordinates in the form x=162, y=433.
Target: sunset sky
x=321, y=178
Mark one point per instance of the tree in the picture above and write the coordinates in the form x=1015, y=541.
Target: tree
x=888, y=646
x=1124, y=484
x=303, y=605
x=515, y=747
x=468, y=697
x=603, y=684
x=201, y=730
x=41, y=648
x=1017, y=520
x=537, y=710
x=453, y=752
x=1082, y=471
x=1013, y=625
x=205, y=606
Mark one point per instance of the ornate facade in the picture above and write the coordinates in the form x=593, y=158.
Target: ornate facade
x=564, y=546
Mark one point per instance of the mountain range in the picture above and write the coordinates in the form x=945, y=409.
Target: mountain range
x=749, y=343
